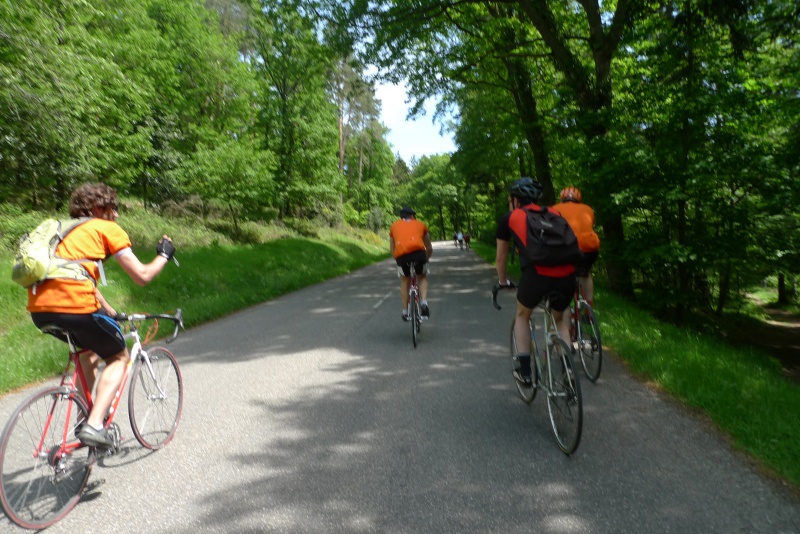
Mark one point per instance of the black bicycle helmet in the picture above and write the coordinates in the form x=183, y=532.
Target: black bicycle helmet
x=407, y=212
x=526, y=189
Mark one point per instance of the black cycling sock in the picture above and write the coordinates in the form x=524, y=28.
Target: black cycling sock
x=524, y=364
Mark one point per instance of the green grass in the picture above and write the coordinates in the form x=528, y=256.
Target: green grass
x=741, y=390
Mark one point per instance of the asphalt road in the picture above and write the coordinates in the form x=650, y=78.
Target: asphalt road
x=313, y=413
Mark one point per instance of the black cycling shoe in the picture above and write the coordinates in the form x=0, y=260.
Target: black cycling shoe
x=424, y=310
x=405, y=317
x=523, y=379
x=95, y=438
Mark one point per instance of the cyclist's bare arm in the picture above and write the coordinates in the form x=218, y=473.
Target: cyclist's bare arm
x=500, y=260
x=391, y=246
x=104, y=303
x=141, y=273
x=428, y=245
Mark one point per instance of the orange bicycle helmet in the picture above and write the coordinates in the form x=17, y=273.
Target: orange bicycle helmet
x=570, y=194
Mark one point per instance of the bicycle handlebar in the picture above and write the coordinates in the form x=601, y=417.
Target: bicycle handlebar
x=177, y=319
x=497, y=287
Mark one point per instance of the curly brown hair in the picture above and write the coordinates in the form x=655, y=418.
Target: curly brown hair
x=87, y=196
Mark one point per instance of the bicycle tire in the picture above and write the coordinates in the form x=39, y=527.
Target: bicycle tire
x=413, y=319
x=564, y=400
x=590, y=345
x=39, y=489
x=155, y=400
x=526, y=393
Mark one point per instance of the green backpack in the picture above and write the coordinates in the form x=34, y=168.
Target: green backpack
x=36, y=255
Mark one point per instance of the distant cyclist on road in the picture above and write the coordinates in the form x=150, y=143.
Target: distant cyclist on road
x=460, y=239
x=580, y=217
x=537, y=281
x=78, y=307
x=409, y=241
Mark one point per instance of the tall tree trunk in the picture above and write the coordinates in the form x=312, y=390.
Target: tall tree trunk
x=341, y=138
x=593, y=95
x=522, y=91
x=360, y=172
x=724, y=288
x=783, y=295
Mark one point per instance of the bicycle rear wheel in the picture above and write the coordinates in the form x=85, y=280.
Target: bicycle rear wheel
x=414, y=318
x=528, y=393
x=564, y=401
x=155, y=400
x=42, y=477
x=589, y=343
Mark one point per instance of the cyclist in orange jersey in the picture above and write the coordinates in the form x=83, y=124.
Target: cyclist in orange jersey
x=410, y=241
x=79, y=308
x=580, y=217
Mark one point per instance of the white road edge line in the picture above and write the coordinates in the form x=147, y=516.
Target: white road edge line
x=382, y=300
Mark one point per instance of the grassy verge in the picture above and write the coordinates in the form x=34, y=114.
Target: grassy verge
x=740, y=389
x=213, y=280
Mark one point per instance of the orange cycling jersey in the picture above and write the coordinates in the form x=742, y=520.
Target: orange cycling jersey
x=94, y=240
x=408, y=235
x=581, y=219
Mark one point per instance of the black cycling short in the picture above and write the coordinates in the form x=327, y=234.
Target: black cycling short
x=96, y=331
x=584, y=267
x=533, y=287
x=419, y=258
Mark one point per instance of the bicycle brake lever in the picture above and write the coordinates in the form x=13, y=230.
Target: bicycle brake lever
x=178, y=317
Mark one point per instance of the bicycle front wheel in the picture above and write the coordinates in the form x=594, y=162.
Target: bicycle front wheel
x=589, y=343
x=564, y=401
x=528, y=393
x=43, y=468
x=155, y=400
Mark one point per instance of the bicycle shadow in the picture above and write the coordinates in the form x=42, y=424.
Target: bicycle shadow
x=130, y=452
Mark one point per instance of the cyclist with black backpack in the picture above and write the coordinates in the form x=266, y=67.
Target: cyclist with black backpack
x=546, y=269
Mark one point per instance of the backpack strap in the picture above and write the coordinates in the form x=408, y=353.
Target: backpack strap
x=70, y=226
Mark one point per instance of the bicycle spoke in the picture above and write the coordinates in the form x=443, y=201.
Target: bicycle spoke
x=155, y=399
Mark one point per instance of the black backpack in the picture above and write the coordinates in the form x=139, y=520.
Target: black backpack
x=551, y=240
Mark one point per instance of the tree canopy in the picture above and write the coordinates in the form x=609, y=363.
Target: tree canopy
x=679, y=120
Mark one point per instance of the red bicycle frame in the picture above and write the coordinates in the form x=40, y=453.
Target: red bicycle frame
x=70, y=382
